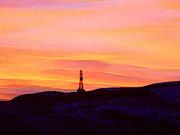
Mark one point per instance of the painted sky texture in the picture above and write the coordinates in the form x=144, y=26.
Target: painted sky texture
x=44, y=44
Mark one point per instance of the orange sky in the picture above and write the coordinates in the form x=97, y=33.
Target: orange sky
x=44, y=44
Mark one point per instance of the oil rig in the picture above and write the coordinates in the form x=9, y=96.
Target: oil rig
x=81, y=90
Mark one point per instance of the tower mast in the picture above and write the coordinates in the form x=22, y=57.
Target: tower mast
x=81, y=85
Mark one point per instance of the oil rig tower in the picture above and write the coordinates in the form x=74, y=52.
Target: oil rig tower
x=81, y=90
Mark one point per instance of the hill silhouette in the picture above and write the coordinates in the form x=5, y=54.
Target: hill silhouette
x=152, y=109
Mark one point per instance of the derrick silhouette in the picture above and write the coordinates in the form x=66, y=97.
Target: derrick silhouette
x=81, y=90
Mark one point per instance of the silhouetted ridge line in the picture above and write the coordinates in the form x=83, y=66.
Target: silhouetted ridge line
x=148, y=110
x=163, y=84
x=98, y=94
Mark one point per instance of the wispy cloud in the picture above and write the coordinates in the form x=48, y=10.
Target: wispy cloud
x=49, y=3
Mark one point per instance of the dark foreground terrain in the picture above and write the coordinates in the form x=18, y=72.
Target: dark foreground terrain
x=149, y=110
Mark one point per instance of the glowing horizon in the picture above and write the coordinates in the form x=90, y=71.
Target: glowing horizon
x=44, y=44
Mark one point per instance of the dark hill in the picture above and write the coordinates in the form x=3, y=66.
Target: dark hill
x=148, y=110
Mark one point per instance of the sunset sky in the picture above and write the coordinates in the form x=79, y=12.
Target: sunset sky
x=44, y=44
